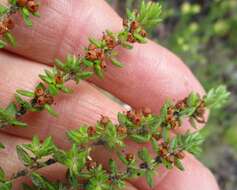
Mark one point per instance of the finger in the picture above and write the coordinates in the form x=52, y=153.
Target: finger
x=151, y=76
x=11, y=164
x=84, y=106
x=195, y=177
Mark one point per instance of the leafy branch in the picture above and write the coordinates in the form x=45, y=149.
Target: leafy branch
x=26, y=8
x=139, y=126
x=75, y=68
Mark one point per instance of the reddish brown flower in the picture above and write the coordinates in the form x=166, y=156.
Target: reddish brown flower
x=91, y=131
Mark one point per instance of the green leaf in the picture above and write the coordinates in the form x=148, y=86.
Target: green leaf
x=79, y=136
x=116, y=62
x=10, y=38
x=26, y=93
x=11, y=109
x=88, y=63
x=141, y=138
x=193, y=100
x=2, y=175
x=98, y=71
x=149, y=14
x=6, y=186
x=2, y=44
x=23, y=156
x=95, y=42
x=179, y=164
x=3, y=10
x=26, y=17
x=139, y=38
x=38, y=181
x=50, y=110
x=144, y=155
x=84, y=75
x=17, y=123
x=149, y=178
x=59, y=64
x=2, y=146
x=216, y=97
x=66, y=89
x=53, y=90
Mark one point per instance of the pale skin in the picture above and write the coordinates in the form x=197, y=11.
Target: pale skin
x=150, y=76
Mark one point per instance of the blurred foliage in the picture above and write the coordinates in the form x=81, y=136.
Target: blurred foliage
x=204, y=34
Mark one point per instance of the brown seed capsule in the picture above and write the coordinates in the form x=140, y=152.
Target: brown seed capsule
x=90, y=165
x=3, y=28
x=125, y=22
x=143, y=33
x=180, y=155
x=122, y=130
x=130, y=114
x=137, y=119
x=91, y=55
x=181, y=104
x=110, y=41
x=91, y=131
x=100, y=54
x=49, y=99
x=32, y=6
x=130, y=157
x=104, y=120
x=58, y=79
x=41, y=100
x=39, y=91
x=171, y=158
x=163, y=152
x=8, y=22
x=21, y=3
x=134, y=25
x=130, y=38
x=146, y=111
x=103, y=65
x=92, y=47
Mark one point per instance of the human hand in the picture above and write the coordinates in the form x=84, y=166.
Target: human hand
x=151, y=75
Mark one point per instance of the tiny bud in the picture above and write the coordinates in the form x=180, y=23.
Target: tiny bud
x=104, y=120
x=180, y=155
x=92, y=47
x=125, y=22
x=90, y=165
x=91, y=55
x=134, y=25
x=39, y=91
x=3, y=28
x=130, y=38
x=49, y=99
x=41, y=100
x=100, y=54
x=8, y=22
x=21, y=3
x=122, y=130
x=91, y=131
x=146, y=111
x=171, y=158
x=103, y=65
x=130, y=157
x=58, y=79
x=32, y=6
x=143, y=33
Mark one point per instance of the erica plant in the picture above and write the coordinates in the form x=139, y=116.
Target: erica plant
x=140, y=126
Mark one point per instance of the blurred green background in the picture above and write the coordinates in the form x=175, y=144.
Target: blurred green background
x=204, y=34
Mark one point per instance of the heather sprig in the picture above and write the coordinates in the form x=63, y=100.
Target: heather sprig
x=139, y=126
x=26, y=8
x=97, y=54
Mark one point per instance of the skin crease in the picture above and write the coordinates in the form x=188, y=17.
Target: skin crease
x=151, y=75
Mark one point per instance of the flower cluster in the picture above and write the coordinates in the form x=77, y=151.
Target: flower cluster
x=25, y=7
